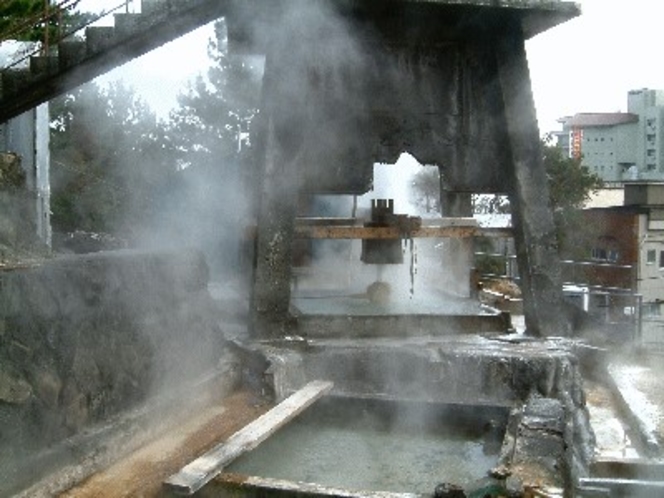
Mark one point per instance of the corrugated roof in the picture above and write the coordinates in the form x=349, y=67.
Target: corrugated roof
x=586, y=119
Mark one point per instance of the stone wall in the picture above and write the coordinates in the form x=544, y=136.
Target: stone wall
x=530, y=375
x=85, y=337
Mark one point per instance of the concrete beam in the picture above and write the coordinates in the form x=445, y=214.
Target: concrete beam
x=532, y=219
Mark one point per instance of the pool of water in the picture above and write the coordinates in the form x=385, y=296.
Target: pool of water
x=381, y=446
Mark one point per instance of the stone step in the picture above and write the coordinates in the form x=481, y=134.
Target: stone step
x=102, y=49
x=151, y=6
x=13, y=81
x=127, y=25
x=100, y=38
x=43, y=66
x=71, y=53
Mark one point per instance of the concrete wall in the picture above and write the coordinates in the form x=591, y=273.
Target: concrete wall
x=614, y=231
x=644, y=194
x=83, y=338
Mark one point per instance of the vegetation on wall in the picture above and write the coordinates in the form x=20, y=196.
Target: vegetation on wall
x=11, y=174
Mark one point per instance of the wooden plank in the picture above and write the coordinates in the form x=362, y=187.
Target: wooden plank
x=198, y=473
x=239, y=485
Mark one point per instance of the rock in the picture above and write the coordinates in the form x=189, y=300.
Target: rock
x=447, y=490
x=47, y=385
x=75, y=408
x=19, y=353
x=379, y=292
x=14, y=388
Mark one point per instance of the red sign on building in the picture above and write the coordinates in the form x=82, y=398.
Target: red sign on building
x=577, y=138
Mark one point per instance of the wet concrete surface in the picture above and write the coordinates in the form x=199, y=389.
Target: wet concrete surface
x=638, y=384
x=612, y=434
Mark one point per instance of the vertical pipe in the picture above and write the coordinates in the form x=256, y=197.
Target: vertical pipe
x=47, y=20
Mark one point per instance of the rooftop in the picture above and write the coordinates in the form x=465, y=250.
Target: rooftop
x=587, y=119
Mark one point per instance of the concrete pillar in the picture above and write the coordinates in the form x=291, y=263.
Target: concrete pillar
x=279, y=141
x=534, y=230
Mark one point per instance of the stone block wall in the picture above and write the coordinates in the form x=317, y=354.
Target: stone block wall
x=85, y=337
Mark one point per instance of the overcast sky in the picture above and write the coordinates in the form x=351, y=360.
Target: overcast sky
x=586, y=65
x=590, y=63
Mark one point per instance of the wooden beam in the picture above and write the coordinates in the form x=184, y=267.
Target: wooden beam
x=198, y=473
x=362, y=232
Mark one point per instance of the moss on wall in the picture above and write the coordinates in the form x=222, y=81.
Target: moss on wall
x=12, y=175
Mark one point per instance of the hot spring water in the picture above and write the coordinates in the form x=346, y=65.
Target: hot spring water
x=381, y=446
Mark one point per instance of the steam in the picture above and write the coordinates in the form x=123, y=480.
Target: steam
x=422, y=283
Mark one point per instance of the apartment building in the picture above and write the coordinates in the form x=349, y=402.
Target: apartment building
x=620, y=146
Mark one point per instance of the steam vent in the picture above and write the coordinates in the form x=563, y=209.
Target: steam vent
x=141, y=376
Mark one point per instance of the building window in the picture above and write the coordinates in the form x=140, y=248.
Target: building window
x=606, y=250
x=651, y=257
x=661, y=259
x=652, y=309
x=600, y=254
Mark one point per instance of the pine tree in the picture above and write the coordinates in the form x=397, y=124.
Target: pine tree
x=213, y=123
x=45, y=21
x=109, y=160
x=211, y=136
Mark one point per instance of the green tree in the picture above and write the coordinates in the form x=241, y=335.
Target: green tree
x=213, y=122
x=425, y=188
x=37, y=20
x=109, y=160
x=491, y=204
x=211, y=138
x=570, y=186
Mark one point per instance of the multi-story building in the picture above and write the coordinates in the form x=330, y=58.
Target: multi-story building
x=620, y=146
x=620, y=256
